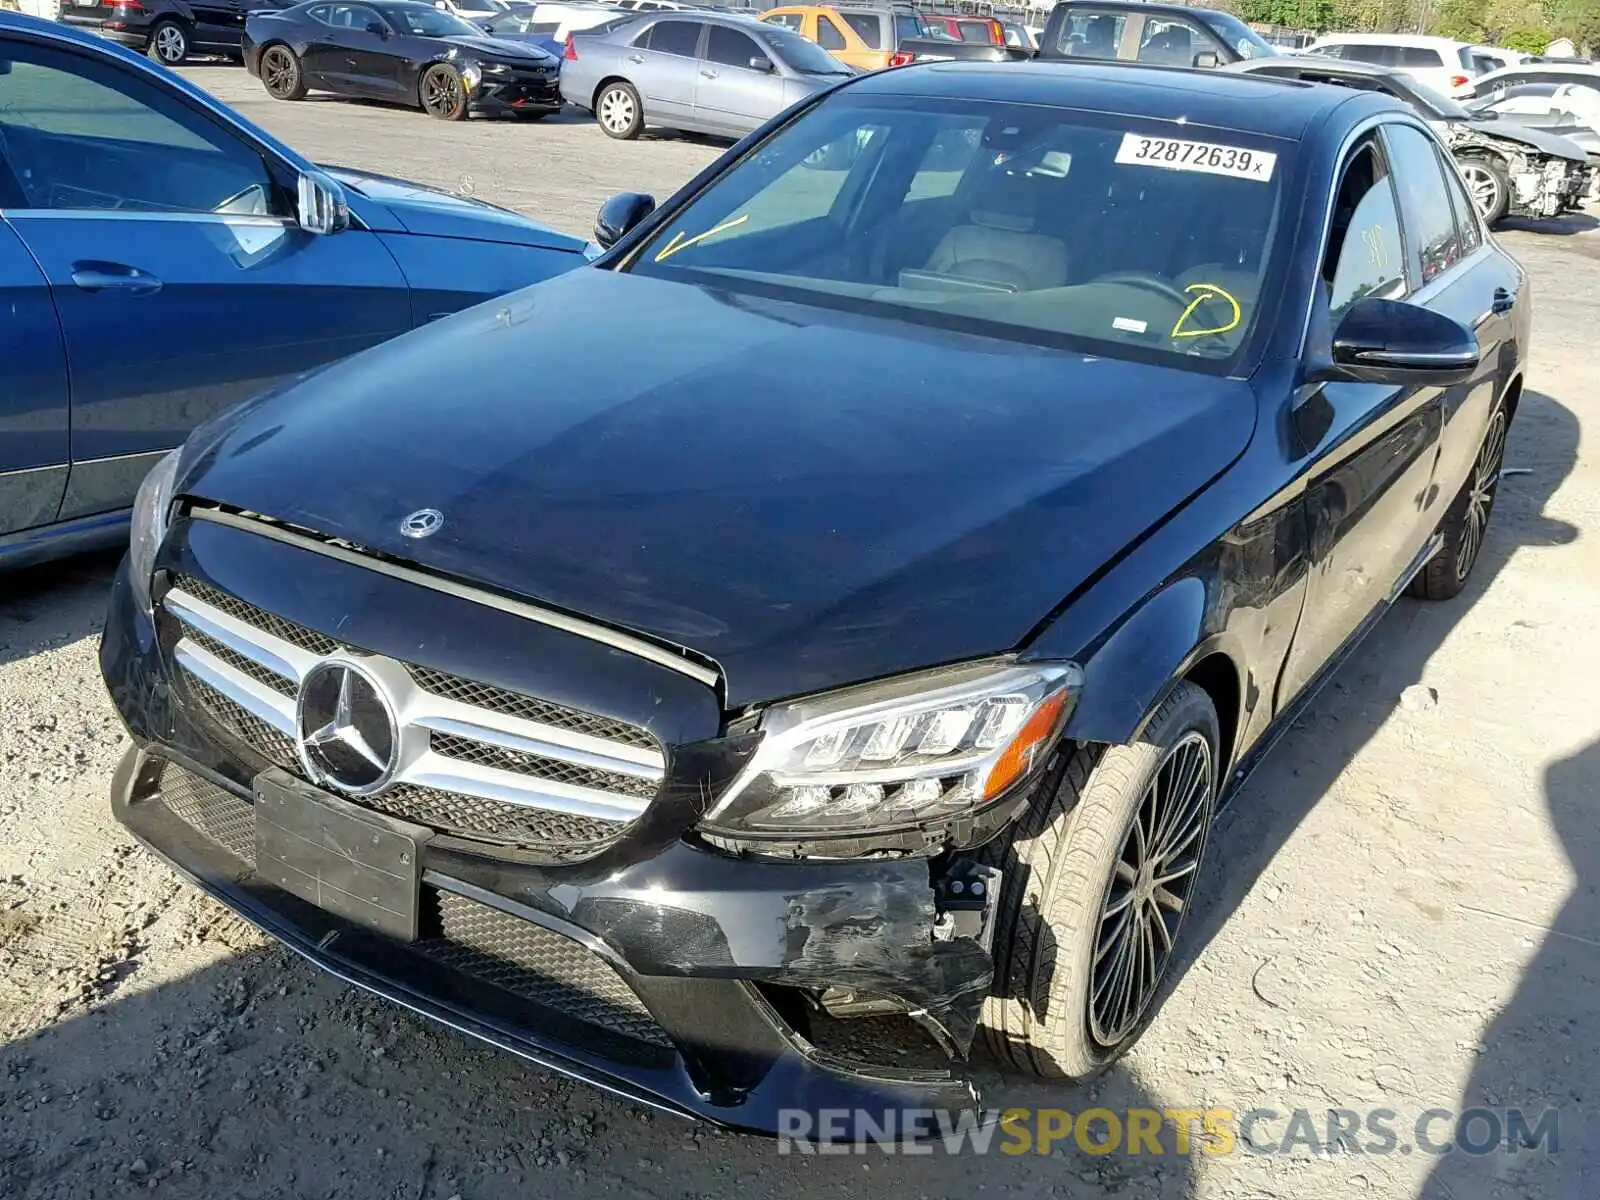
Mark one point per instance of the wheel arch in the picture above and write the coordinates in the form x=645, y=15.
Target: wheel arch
x=594, y=98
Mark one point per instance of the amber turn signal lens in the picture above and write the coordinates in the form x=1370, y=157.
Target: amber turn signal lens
x=1019, y=757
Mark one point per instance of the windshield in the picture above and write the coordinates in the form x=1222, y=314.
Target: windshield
x=1246, y=42
x=423, y=21
x=1123, y=237
x=806, y=57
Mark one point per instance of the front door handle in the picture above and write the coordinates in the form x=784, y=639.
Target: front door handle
x=1504, y=301
x=114, y=277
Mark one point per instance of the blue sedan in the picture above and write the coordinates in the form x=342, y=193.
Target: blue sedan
x=161, y=259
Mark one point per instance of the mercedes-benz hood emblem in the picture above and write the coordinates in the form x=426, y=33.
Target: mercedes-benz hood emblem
x=425, y=522
x=348, y=735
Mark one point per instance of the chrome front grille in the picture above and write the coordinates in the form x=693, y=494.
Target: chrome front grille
x=485, y=762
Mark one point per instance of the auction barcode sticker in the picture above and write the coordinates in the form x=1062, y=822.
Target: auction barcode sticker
x=1207, y=157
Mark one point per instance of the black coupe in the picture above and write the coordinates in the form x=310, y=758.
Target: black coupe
x=406, y=52
x=1000, y=460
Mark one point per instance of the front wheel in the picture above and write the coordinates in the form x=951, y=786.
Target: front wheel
x=1489, y=185
x=1466, y=522
x=1098, y=876
x=619, y=112
x=444, y=96
x=281, y=73
x=169, y=43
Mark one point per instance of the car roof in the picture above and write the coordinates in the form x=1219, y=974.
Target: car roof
x=1387, y=39
x=1285, y=64
x=1264, y=104
x=1176, y=10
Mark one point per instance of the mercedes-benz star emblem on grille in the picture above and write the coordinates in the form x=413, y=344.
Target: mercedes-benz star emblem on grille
x=423, y=523
x=348, y=735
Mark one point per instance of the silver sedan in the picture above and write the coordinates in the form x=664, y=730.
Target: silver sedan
x=702, y=72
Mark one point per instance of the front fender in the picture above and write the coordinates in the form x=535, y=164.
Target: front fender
x=1125, y=676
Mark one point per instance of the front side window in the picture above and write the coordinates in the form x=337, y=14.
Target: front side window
x=350, y=16
x=866, y=28
x=1468, y=228
x=1430, y=226
x=675, y=37
x=421, y=21
x=829, y=35
x=81, y=133
x=1244, y=41
x=1364, y=256
x=1090, y=35
x=730, y=47
x=1125, y=237
x=806, y=57
x=1171, y=43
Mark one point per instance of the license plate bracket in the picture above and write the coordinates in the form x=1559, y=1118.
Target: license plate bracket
x=356, y=864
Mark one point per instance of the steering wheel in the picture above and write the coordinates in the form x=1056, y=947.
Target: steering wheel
x=1149, y=283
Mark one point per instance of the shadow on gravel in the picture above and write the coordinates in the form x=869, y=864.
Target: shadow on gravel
x=51, y=605
x=1563, y=226
x=259, y=1077
x=1543, y=1050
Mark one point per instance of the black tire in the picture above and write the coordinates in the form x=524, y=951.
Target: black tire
x=169, y=43
x=1067, y=862
x=443, y=95
x=282, y=74
x=619, y=111
x=1489, y=185
x=1466, y=521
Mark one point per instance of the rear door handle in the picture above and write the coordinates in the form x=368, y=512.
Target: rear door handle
x=114, y=277
x=636, y=58
x=708, y=74
x=1504, y=301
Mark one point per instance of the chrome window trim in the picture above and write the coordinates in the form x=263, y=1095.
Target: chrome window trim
x=244, y=220
x=617, y=640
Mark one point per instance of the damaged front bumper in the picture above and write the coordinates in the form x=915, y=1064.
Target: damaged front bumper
x=697, y=981
x=1542, y=185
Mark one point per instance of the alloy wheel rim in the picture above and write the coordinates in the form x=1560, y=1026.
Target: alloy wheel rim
x=1480, y=496
x=1150, y=889
x=616, y=110
x=169, y=43
x=280, y=71
x=443, y=92
x=1484, y=186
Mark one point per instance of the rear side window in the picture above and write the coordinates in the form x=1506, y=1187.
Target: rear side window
x=907, y=27
x=1368, y=52
x=829, y=35
x=675, y=37
x=866, y=27
x=974, y=31
x=1090, y=35
x=1430, y=224
x=1421, y=56
x=1468, y=230
x=787, y=20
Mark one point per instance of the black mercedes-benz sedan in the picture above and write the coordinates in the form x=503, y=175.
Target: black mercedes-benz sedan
x=402, y=51
x=943, y=501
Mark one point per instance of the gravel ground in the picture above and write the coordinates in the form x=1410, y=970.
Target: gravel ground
x=1401, y=910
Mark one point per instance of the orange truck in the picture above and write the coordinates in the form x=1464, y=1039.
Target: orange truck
x=865, y=38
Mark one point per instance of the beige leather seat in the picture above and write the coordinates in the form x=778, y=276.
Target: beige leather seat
x=998, y=245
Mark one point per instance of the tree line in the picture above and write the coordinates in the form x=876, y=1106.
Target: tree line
x=1529, y=25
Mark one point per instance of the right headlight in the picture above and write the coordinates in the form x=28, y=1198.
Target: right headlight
x=151, y=508
x=900, y=752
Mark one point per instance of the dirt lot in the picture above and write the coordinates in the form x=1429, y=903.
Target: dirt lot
x=1403, y=908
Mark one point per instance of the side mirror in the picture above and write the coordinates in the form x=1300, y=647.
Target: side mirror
x=378, y=27
x=620, y=214
x=1391, y=341
x=760, y=62
x=321, y=206
x=1206, y=60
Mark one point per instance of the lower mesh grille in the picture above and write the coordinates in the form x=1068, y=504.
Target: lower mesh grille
x=472, y=939
x=532, y=962
x=211, y=810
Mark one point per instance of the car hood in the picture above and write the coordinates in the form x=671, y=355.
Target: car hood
x=520, y=52
x=1539, y=139
x=808, y=497
x=400, y=206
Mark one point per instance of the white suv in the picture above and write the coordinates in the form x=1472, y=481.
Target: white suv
x=1434, y=62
